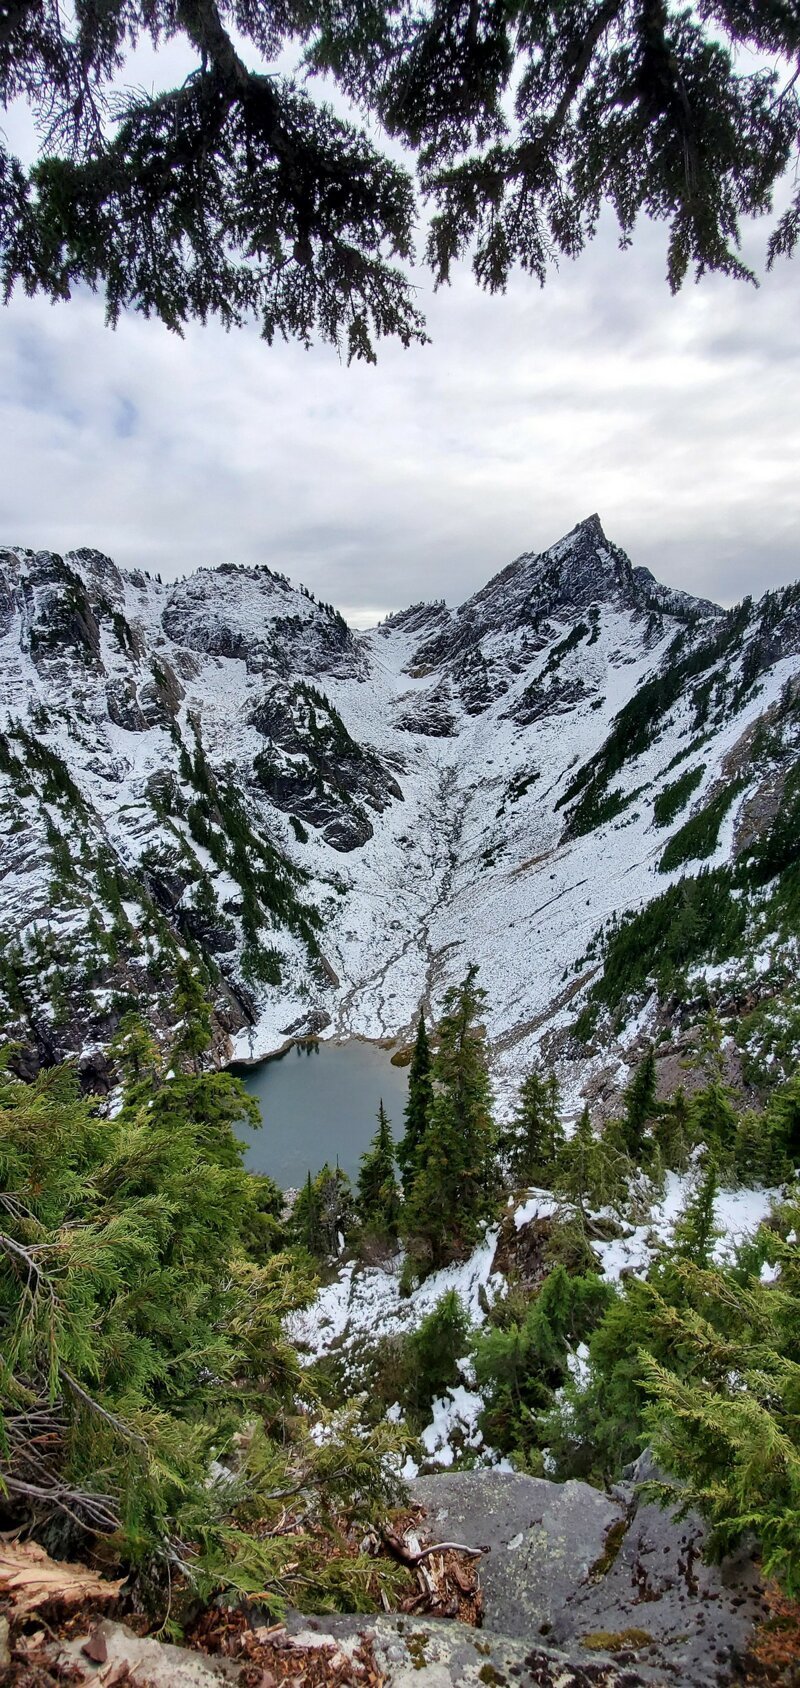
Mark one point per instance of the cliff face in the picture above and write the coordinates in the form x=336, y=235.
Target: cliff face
x=330, y=826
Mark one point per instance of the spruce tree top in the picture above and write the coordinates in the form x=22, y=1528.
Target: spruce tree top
x=241, y=194
x=418, y=1103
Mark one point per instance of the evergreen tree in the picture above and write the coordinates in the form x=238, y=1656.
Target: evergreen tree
x=455, y=1184
x=574, y=1169
x=336, y=1207
x=757, y=1153
x=523, y=120
x=434, y=1350
x=304, y=1222
x=135, y=1051
x=712, y=1117
x=535, y=1136
x=377, y=1195
x=418, y=1106
x=591, y=1170
x=323, y=1212
x=671, y=1132
x=695, y=1231
x=520, y=1363
x=782, y=1120
x=728, y=1428
x=192, y=1032
x=709, y=1056
x=142, y=1340
x=640, y=1107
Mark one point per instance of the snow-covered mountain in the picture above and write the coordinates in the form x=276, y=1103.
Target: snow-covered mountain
x=330, y=826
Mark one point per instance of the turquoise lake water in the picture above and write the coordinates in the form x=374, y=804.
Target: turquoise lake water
x=319, y=1102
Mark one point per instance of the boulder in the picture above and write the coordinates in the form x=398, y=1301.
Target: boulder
x=598, y=1575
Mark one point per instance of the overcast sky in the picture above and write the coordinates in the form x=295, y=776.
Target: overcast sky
x=675, y=419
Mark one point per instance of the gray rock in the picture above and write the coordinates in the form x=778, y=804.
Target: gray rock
x=542, y=1539
x=425, y=1653
x=149, y=1663
x=600, y=1575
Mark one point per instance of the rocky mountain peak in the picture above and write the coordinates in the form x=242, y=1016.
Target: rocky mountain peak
x=580, y=569
x=221, y=762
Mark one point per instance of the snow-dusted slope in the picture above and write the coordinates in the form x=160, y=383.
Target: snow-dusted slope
x=330, y=827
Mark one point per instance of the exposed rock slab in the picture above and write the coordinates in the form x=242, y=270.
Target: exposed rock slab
x=113, y=1648
x=407, y=1653
x=598, y=1575
x=542, y=1539
x=426, y=1653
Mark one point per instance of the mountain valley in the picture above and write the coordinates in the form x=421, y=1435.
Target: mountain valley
x=317, y=830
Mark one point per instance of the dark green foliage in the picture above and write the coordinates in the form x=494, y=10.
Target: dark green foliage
x=640, y=1106
x=418, y=1106
x=122, y=632
x=268, y=882
x=779, y=850
x=727, y=1425
x=565, y=646
x=135, y=1052
x=674, y=797
x=304, y=1222
x=591, y=1170
x=697, y=919
x=377, y=1195
x=142, y=1310
x=601, y=1429
x=758, y=1157
x=323, y=1212
x=712, y=1116
x=672, y=1134
x=782, y=1120
x=532, y=1142
x=604, y=1424
x=56, y=782
x=639, y=721
x=433, y=1352
x=697, y=838
x=193, y=1029
x=239, y=194
x=704, y=918
x=454, y=1186
x=695, y=1231
x=520, y=1363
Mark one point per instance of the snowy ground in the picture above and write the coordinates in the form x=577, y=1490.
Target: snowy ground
x=364, y=1302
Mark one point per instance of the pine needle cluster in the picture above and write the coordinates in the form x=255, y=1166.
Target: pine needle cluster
x=147, y=1390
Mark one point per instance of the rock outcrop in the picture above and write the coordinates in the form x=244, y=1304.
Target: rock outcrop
x=598, y=1576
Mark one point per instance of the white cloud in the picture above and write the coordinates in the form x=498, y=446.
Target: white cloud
x=675, y=418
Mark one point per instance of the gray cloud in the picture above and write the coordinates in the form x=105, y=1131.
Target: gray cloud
x=675, y=418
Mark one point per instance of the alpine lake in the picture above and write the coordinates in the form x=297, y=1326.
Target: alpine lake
x=319, y=1102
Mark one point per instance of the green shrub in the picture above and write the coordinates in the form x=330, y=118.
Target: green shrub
x=520, y=1363
x=142, y=1313
x=675, y=797
x=697, y=838
x=434, y=1350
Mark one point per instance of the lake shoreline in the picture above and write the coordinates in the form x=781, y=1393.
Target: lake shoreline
x=250, y=1061
x=322, y=1106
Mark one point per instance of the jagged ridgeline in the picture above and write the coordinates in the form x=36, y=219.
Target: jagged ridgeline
x=583, y=781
